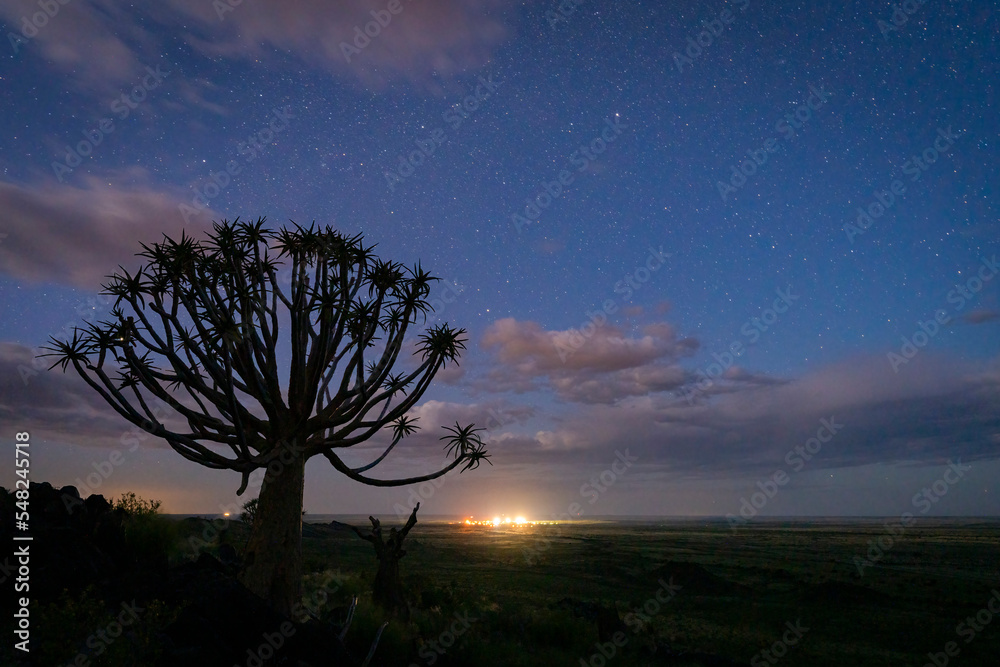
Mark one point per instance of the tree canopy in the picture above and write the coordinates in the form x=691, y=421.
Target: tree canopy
x=199, y=329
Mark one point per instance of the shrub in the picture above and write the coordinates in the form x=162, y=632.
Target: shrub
x=149, y=537
x=134, y=506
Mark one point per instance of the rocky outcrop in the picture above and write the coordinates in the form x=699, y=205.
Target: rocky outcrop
x=79, y=543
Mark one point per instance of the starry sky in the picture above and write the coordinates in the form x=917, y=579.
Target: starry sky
x=702, y=250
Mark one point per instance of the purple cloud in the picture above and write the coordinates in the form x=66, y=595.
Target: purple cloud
x=79, y=235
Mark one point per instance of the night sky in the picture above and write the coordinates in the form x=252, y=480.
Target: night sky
x=696, y=246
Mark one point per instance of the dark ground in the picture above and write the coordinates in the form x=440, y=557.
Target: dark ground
x=535, y=590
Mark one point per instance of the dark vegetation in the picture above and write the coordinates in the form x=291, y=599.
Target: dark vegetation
x=475, y=599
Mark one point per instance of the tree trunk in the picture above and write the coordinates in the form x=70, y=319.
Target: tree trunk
x=273, y=559
x=387, y=590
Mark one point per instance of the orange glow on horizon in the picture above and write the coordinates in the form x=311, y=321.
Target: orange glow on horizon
x=501, y=521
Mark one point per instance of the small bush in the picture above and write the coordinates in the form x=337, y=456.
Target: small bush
x=134, y=506
x=149, y=537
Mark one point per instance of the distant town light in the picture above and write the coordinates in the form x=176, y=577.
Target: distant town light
x=498, y=522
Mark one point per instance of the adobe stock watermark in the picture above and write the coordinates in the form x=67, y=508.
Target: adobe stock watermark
x=381, y=18
x=923, y=500
x=600, y=483
x=594, y=489
x=787, y=126
x=261, y=655
x=900, y=16
x=249, y=150
x=273, y=641
x=928, y=329
x=37, y=21
x=886, y=199
x=704, y=39
x=751, y=329
x=223, y=7
x=432, y=651
x=779, y=649
x=968, y=629
x=580, y=159
x=631, y=283
x=446, y=296
x=562, y=12
x=455, y=116
x=636, y=620
x=796, y=459
x=122, y=106
x=103, y=638
x=640, y=617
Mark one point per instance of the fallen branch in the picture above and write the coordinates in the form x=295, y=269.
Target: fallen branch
x=371, y=651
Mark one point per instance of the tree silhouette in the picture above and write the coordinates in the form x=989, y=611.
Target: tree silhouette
x=201, y=342
x=387, y=590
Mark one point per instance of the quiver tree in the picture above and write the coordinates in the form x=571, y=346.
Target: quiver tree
x=200, y=332
x=387, y=590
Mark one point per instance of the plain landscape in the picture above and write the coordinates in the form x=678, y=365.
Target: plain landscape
x=640, y=591
x=737, y=590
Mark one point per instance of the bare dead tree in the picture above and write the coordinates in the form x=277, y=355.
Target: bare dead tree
x=387, y=590
x=196, y=333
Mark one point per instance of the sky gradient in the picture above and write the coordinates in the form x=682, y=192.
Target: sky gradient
x=701, y=246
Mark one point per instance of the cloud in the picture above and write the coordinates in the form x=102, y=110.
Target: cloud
x=450, y=374
x=933, y=411
x=740, y=374
x=981, y=316
x=698, y=387
x=195, y=93
x=52, y=404
x=602, y=367
x=610, y=387
x=79, y=235
x=98, y=42
x=422, y=42
x=534, y=351
x=103, y=44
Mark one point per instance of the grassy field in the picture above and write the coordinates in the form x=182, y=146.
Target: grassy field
x=808, y=593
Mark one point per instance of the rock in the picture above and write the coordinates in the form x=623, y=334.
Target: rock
x=228, y=555
x=214, y=619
